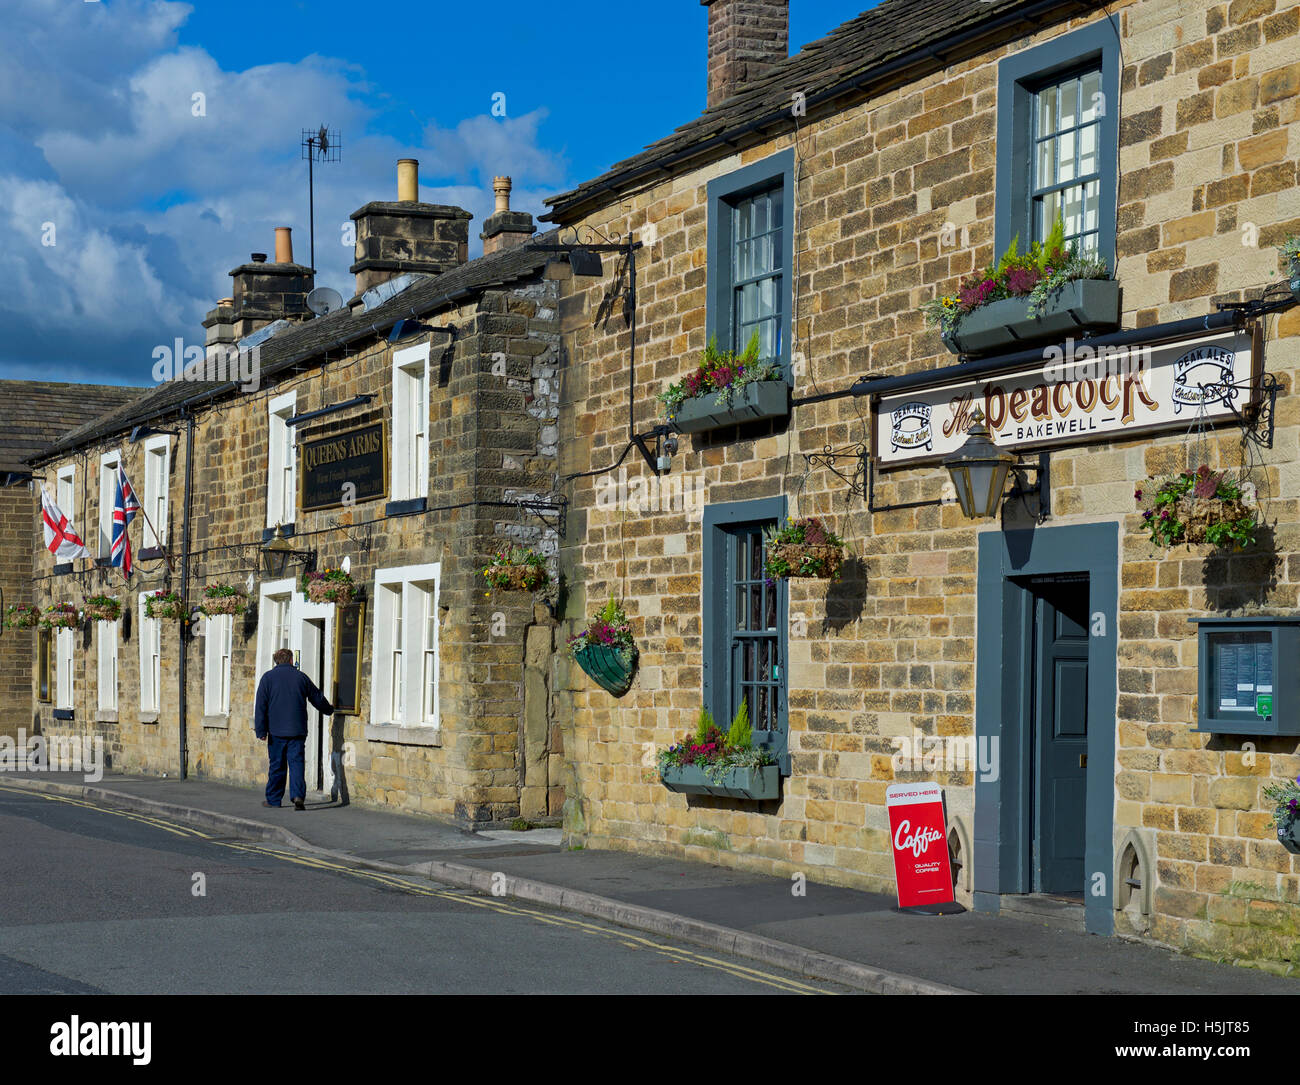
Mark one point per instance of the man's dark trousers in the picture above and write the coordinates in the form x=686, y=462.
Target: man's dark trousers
x=282, y=751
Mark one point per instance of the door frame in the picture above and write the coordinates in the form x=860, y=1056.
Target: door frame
x=1004, y=624
x=301, y=614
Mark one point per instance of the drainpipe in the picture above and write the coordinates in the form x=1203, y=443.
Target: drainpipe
x=185, y=582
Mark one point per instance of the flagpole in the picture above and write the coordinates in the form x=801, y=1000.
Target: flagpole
x=157, y=537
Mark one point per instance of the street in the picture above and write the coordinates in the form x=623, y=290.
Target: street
x=105, y=901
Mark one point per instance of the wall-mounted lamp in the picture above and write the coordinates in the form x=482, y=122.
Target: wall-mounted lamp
x=667, y=450
x=979, y=473
x=276, y=556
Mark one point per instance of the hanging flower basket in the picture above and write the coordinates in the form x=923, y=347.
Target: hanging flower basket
x=606, y=650
x=516, y=568
x=803, y=548
x=1203, y=506
x=61, y=616
x=328, y=586
x=22, y=616
x=164, y=604
x=223, y=599
x=103, y=608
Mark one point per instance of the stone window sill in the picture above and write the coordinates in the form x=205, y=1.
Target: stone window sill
x=406, y=507
x=148, y=717
x=104, y=715
x=221, y=721
x=402, y=735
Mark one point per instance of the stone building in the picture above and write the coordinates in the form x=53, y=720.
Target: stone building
x=820, y=200
x=33, y=414
x=403, y=437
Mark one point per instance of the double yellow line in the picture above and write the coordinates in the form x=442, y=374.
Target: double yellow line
x=677, y=954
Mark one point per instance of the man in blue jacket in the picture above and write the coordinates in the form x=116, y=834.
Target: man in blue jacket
x=281, y=721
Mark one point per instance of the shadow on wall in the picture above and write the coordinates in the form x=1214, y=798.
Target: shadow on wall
x=1237, y=580
x=846, y=596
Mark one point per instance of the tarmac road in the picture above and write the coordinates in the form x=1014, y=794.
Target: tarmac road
x=100, y=900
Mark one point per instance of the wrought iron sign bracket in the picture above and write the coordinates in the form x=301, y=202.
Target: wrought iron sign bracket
x=1257, y=420
x=854, y=477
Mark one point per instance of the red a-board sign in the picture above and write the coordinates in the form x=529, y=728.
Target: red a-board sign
x=916, y=827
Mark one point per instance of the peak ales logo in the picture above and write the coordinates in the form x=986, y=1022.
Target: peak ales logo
x=910, y=427
x=1204, y=376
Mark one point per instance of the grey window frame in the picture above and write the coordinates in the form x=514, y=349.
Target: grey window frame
x=723, y=192
x=1019, y=77
x=718, y=610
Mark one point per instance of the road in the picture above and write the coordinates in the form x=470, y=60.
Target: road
x=95, y=900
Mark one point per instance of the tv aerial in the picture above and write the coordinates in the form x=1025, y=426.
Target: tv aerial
x=322, y=145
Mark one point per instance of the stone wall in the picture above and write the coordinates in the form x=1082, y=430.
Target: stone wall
x=894, y=203
x=17, y=646
x=493, y=399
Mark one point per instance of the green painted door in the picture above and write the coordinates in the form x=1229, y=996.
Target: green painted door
x=1060, y=701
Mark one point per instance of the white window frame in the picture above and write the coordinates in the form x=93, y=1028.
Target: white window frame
x=157, y=455
x=281, y=476
x=106, y=666
x=276, y=599
x=409, y=454
x=150, y=639
x=218, y=644
x=108, y=464
x=418, y=587
x=65, y=491
x=63, y=656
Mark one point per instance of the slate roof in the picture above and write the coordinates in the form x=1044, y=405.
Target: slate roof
x=35, y=414
x=310, y=339
x=882, y=47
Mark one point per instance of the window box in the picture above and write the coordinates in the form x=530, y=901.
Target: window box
x=761, y=783
x=606, y=667
x=1084, y=305
x=763, y=399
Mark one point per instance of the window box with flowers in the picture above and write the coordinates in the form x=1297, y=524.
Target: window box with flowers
x=164, y=604
x=61, y=616
x=223, y=599
x=1200, y=506
x=516, y=568
x=710, y=762
x=803, y=548
x=103, y=608
x=606, y=650
x=1049, y=293
x=328, y=586
x=22, y=616
x=727, y=389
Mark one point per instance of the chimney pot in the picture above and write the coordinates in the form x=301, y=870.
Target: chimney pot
x=258, y=257
x=408, y=180
x=501, y=189
x=284, y=245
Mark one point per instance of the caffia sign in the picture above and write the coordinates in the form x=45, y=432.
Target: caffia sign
x=922, y=871
x=1076, y=394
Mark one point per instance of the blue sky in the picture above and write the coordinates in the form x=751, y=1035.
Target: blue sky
x=128, y=199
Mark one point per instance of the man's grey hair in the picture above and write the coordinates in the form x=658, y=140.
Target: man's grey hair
x=281, y=655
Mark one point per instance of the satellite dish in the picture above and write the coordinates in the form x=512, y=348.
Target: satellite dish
x=323, y=300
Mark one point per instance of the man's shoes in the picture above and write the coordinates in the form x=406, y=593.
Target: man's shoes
x=273, y=805
x=299, y=804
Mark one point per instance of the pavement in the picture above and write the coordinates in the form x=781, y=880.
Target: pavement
x=844, y=936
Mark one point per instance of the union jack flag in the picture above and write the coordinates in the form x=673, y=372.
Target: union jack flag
x=125, y=506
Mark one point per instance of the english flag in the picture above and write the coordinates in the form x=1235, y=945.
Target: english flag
x=125, y=506
x=60, y=538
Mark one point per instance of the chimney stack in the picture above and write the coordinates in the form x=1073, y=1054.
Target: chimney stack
x=504, y=229
x=263, y=293
x=407, y=236
x=747, y=38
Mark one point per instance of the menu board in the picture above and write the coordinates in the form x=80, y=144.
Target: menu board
x=1243, y=669
x=349, y=634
